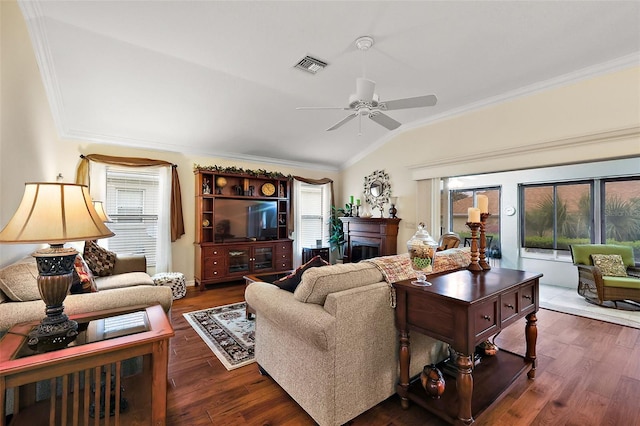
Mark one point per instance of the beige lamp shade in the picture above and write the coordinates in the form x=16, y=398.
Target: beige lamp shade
x=54, y=213
x=99, y=206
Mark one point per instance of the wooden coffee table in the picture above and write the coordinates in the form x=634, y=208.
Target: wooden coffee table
x=266, y=277
x=106, y=339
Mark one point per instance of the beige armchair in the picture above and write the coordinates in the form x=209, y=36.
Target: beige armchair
x=596, y=287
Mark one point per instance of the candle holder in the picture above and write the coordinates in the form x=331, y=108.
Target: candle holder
x=474, y=265
x=357, y=206
x=483, y=242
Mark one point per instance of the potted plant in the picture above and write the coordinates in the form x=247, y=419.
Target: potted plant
x=336, y=233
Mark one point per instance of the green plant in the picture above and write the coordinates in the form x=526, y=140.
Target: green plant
x=336, y=232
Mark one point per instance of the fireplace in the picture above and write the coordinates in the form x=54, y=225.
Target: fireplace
x=369, y=237
x=361, y=251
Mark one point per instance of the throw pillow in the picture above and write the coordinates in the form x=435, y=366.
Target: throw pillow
x=19, y=281
x=100, y=260
x=291, y=281
x=83, y=281
x=610, y=264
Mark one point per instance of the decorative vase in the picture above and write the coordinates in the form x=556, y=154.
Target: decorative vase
x=422, y=250
x=432, y=381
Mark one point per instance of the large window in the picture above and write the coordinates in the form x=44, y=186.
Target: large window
x=313, y=223
x=132, y=203
x=557, y=215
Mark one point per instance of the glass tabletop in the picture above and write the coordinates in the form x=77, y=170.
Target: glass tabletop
x=100, y=329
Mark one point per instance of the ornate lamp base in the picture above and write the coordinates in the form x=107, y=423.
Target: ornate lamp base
x=56, y=330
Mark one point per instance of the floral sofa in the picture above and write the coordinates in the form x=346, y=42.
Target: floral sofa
x=127, y=286
x=332, y=344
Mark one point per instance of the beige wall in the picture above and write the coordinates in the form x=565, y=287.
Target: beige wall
x=589, y=120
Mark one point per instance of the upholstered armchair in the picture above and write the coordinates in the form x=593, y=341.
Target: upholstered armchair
x=603, y=279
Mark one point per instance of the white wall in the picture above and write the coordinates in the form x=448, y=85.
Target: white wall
x=30, y=149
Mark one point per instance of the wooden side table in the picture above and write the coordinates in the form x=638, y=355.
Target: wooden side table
x=89, y=368
x=463, y=309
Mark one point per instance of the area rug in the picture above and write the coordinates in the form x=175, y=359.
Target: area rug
x=227, y=332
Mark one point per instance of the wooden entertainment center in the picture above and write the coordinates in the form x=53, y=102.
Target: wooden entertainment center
x=242, y=224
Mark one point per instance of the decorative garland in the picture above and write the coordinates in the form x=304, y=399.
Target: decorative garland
x=240, y=171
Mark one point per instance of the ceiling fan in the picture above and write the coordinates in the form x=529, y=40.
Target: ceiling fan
x=365, y=102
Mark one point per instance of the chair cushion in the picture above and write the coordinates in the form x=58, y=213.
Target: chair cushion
x=621, y=282
x=291, y=281
x=100, y=260
x=610, y=264
x=581, y=253
x=317, y=283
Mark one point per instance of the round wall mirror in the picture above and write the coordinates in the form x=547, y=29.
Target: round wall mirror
x=377, y=190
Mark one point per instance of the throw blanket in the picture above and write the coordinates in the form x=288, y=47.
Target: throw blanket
x=398, y=267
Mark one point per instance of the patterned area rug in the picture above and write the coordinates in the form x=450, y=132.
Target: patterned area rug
x=227, y=332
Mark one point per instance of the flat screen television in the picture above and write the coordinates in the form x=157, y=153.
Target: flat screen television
x=245, y=220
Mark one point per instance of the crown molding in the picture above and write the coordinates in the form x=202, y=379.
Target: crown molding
x=618, y=64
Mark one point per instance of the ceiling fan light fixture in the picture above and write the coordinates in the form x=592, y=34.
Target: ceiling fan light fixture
x=364, y=42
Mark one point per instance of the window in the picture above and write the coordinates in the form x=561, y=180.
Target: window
x=557, y=215
x=132, y=202
x=594, y=211
x=461, y=200
x=313, y=224
x=620, y=212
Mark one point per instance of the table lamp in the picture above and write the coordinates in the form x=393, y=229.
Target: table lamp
x=54, y=213
x=99, y=206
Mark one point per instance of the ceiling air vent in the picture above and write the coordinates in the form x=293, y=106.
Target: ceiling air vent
x=310, y=64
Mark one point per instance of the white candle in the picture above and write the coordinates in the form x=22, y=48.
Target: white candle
x=483, y=203
x=474, y=215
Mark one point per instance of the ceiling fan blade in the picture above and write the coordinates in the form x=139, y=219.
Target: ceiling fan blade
x=365, y=89
x=417, y=102
x=384, y=120
x=308, y=108
x=343, y=121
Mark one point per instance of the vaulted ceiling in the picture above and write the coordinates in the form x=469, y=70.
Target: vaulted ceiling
x=217, y=78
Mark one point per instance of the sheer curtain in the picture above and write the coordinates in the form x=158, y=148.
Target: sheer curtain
x=327, y=197
x=163, y=238
x=297, y=225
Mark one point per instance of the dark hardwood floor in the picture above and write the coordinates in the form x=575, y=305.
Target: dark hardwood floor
x=588, y=374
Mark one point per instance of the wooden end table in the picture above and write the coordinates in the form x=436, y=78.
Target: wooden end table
x=266, y=277
x=463, y=309
x=88, y=367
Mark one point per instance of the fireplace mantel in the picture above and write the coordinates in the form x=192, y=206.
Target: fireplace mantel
x=369, y=237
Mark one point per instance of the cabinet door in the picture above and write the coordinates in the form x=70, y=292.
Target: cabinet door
x=262, y=259
x=239, y=259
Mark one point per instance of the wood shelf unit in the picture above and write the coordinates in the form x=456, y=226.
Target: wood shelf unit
x=221, y=256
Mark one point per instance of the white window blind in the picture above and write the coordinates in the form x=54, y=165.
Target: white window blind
x=132, y=203
x=312, y=220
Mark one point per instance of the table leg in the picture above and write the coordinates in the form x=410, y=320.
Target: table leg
x=159, y=377
x=464, y=386
x=405, y=359
x=531, y=335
